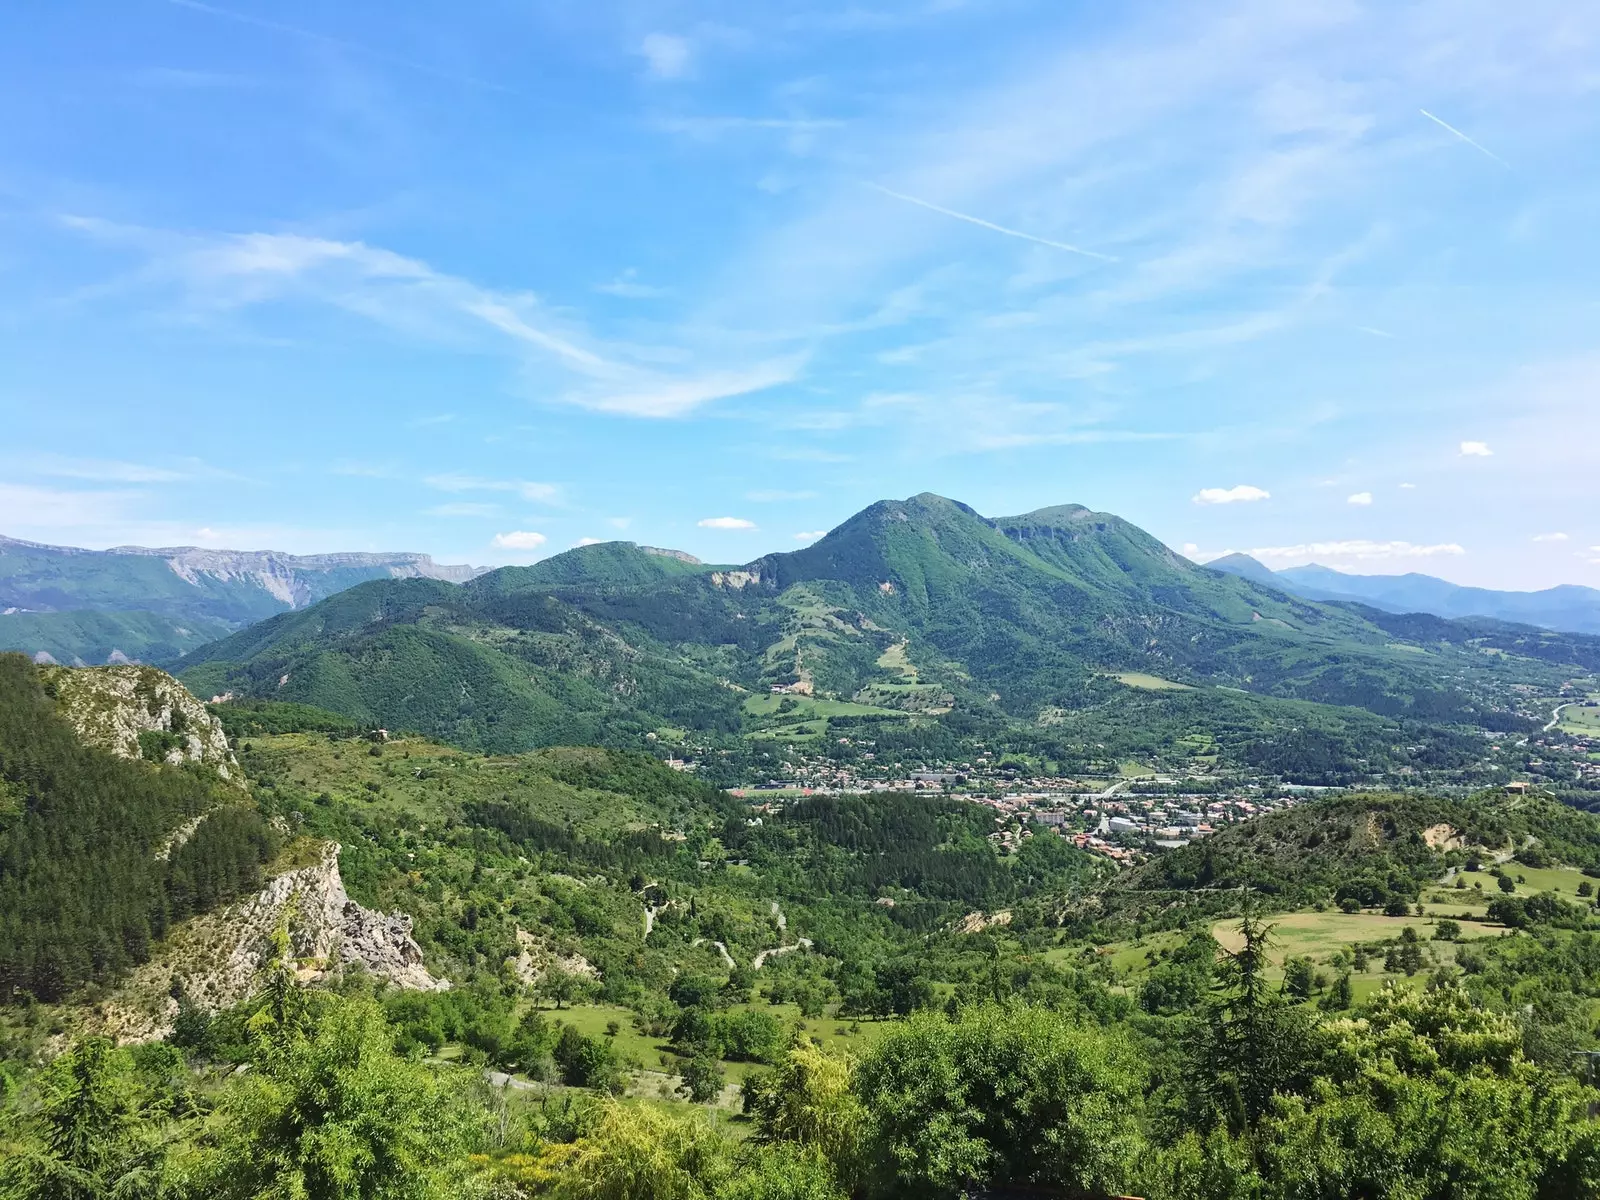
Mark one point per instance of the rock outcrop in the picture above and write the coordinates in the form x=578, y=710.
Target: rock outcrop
x=217, y=959
x=110, y=707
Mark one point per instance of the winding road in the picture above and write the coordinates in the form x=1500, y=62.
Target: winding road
x=1555, y=717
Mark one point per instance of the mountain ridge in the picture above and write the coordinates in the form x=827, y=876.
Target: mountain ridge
x=137, y=603
x=919, y=610
x=1566, y=607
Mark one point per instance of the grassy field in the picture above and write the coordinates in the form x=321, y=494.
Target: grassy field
x=837, y=1035
x=1575, y=718
x=805, y=708
x=1149, y=683
x=1319, y=936
x=1530, y=881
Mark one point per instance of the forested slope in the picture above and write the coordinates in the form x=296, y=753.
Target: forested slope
x=89, y=876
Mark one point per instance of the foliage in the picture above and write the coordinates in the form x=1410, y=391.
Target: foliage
x=1001, y=1096
x=83, y=890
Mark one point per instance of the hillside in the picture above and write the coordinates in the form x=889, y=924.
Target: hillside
x=120, y=813
x=917, y=614
x=1364, y=848
x=1569, y=607
x=94, y=606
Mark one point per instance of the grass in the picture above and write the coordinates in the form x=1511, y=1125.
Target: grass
x=1149, y=683
x=894, y=659
x=1530, y=881
x=1318, y=936
x=807, y=708
x=837, y=1035
x=1577, y=719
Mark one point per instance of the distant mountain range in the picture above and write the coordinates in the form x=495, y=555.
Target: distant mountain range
x=1568, y=607
x=1072, y=626
x=130, y=602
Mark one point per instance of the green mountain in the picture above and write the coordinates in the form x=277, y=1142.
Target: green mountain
x=95, y=606
x=918, y=614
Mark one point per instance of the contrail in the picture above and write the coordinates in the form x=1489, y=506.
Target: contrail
x=981, y=223
x=367, y=51
x=1464, y=138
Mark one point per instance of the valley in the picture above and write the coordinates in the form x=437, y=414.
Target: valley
x=622, y=849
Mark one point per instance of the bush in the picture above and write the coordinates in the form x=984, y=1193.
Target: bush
x=1003, y=1096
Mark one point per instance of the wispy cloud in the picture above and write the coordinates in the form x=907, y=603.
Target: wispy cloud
x=628, y=287
x=588, y=541
x=1243, y=493
x=1360, y=499
x=462, y=510
x=1355, y=549
x=1476, y=146
x=666, y=55
x=111, y=471
x=528, y=490
x=324, y=39
x=1475, y=450
x=1549, y=537
x=810, y=535
x=990, y=225
x=725, y=523
x=225, y=273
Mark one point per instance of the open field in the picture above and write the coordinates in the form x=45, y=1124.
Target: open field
x=1318, y=936
x=837, y=1035
x=1580, y=719
x=804, y=708
x=1149, y=683
x=1530, y=881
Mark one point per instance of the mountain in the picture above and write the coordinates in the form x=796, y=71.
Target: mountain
x=921, y=618
x=1568, y=607
x=133, y=603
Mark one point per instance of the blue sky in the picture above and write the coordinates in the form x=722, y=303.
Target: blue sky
x=485, y=280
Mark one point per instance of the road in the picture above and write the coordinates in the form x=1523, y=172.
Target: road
x=1555, y=717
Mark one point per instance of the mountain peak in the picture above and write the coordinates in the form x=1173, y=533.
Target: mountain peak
x=1249, y=568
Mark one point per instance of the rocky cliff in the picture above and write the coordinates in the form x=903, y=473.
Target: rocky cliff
x=111, y=707
x=217, y=960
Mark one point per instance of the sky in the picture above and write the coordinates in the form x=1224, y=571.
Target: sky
x=1316, y=281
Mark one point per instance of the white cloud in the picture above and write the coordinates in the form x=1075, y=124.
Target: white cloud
x=628, y=287
x=217, y=275
x=1549, y=537
x=1476, y=449
x=666, y=55
x=1355, y=549
x=588, y=541
x=811, y=535
x=471, y=483
x=1242, y=494
x=105, y=470
x=1408, y=487
x=1360, y=499
x=678, y=397
x=519, y=539
x=725, y=523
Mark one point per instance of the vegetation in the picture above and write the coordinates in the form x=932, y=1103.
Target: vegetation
x=659, y=990
x=83, y=889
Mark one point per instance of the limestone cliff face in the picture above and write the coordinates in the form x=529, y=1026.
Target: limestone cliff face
x=217, y=959
x=110, y=707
